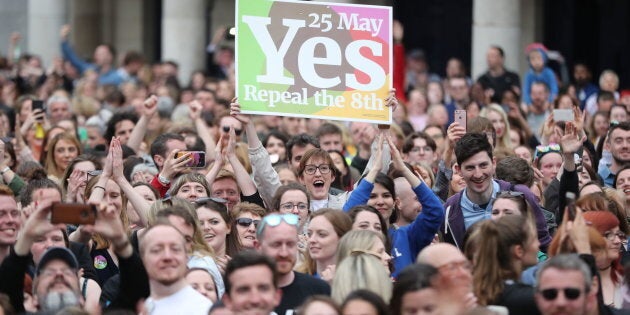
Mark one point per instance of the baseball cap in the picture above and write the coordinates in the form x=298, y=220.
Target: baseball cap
x=55, y=253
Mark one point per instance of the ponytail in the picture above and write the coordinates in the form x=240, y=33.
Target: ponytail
x=494, y=260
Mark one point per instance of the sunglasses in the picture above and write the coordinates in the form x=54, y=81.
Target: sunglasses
x=203, y=200
x=552, y=294
x=226, y=129
x=275, y=219
x=91, y=174
x=247, y=222
x=544, y=149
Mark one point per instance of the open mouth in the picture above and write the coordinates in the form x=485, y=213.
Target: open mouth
x=318, y=184
x=250, y=237
x=208, y=236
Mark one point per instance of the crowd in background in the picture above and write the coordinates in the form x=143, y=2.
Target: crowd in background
x=201, y=209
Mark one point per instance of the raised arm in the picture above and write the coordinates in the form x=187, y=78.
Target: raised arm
x=244, y=181
x=423, y=228
x=194, y=110
x=361, y=194
x=570, y=142
x=83, y=235
x=137, y=134
x=69, y=54
x=140, y=204
x=218, y=162
x=265, y=176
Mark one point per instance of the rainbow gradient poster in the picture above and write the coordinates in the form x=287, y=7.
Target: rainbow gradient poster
x=314, y=59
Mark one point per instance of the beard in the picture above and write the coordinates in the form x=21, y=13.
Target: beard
x=53, y=302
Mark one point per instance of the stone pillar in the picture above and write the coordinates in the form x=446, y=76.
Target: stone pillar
x=45, y=18
x=184, y=35
x=127, y=25
x=496, y=23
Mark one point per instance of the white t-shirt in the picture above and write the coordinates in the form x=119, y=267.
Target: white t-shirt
x=185, y=301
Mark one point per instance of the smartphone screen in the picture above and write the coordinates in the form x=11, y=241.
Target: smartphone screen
x=197, y=158
x=563, y=115
x=38, y=104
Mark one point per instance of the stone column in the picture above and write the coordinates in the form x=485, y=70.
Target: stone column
x=184, y=35
x=45, y=18
x=496, y=23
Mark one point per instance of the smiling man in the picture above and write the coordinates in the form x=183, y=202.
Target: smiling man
x=618, y=142
x=163, y=252
x=278, y=239
x=10, y=221
x=476, y=165
x=251, y=285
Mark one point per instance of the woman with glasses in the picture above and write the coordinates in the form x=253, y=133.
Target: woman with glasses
x=609, y=260
x=378, y=191
x=76, y=176
x=247, y=216
x=506, y=247
x=215, y=223
x=293, y=198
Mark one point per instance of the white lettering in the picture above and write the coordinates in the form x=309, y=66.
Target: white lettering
x=274, y=55
x=369, y=67
x=307, y=61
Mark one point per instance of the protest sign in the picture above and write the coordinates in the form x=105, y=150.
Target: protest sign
x=314, y=59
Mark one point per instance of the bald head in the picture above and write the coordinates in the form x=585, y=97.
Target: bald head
x=440, y=254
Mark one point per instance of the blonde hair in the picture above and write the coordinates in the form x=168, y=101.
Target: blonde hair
x=356, y=240
x=504, y=142
x=361, y=270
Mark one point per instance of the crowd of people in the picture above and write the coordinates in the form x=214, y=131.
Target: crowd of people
x=201, y=209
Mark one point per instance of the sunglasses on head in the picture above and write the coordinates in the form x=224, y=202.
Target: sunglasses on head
x=275, y=219
x=552, y=294
x=203, y=200
x=246, y=222
x=226, y=129
x=544, y=149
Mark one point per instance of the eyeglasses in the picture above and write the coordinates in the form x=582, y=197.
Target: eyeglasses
x=226, y=129
x=425, y=149
x=288, y=206
x=311, y=169
x=552, y=294
x=275, y=219
x=90, y=174
x=247, y=222
x=611, y=235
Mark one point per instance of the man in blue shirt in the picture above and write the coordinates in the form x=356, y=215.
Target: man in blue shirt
x=618, y=142
x=103, y=59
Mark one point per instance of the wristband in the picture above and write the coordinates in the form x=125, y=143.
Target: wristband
x=163, y=180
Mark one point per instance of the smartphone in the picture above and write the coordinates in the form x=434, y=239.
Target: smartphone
x=563, y=115
x=197, y=158
x=570, y=205
x=38, y=104
x=460, y=117
x=72, y=213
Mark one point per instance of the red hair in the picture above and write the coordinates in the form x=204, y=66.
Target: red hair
x=604, y=221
